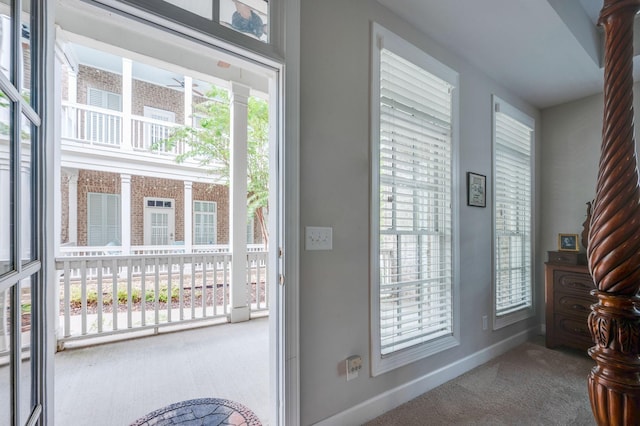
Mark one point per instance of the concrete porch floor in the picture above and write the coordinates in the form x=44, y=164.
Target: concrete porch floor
x=117, y=383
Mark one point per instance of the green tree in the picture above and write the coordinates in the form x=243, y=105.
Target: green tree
x=208, y=143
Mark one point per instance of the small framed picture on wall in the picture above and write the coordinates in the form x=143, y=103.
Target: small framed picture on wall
x=476, y=190
x=568, y=242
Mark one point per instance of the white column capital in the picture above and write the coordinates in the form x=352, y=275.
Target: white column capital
x=71, y=174
x=125, y=178
x=239, y=92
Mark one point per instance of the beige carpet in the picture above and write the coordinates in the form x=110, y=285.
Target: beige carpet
x=530, y=385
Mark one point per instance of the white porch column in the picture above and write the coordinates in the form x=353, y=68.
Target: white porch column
x=73, y=207
x=188, y=216
x=70, y=114
x=188, y=101
x=125, y=213
x=127, y=95
x=238, y=209
x=72, y=79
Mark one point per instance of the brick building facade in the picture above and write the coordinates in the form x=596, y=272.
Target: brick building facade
x=142, y=187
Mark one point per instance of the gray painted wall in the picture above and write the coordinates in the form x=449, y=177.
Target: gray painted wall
x=572, y=135
x=334, y=191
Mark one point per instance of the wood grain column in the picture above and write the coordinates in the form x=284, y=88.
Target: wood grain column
x=614, y=237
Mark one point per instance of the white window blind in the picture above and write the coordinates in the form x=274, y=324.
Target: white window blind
x=103, y=127
x=205, y=222
x=512, y=212
x=103, y=219
x=415, y=214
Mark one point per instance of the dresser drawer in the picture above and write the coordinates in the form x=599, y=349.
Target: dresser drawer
x=567, y=258
x=572, y=332
x=572, y=305
x=569, y=282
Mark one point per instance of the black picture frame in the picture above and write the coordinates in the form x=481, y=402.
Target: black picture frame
x=476, y=190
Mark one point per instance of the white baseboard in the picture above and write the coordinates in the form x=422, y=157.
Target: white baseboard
x=390, y=399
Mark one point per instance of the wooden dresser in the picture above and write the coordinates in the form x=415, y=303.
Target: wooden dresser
x=568, y=304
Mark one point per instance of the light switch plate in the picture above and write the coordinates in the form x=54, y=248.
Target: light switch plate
x=318, y=238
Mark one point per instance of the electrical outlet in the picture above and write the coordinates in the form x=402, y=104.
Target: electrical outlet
x=354, y=365
x=318, y=238
x=485, y=322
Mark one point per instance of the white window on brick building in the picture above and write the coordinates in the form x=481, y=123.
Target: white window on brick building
x=205, y=216
x=154, y=130
x=103, y=126
x=159, y=221
x=103, y=219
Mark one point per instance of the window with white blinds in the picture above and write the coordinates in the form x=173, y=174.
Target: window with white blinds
x=513, y=213
x=413, y=187
x=103, y=219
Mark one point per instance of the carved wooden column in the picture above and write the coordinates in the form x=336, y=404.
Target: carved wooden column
x=614, y=237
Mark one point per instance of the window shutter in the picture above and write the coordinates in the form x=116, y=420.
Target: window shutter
x=94, y=217
x=512, y=214
x=415, y=185
x=95, y=98
x=114, y=101
x=103, y=218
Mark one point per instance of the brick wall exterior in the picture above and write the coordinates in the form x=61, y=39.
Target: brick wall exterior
x=97, y=79
x=141, y=187
x=144, y=93
x=152, y=95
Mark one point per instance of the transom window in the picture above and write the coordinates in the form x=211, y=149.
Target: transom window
x=512, y=212
x=412, y=227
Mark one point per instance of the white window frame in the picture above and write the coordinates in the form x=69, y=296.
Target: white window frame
x=503, y=319
x=106, y=197
x=196, y=213
x=182, y=20
x=382, y=38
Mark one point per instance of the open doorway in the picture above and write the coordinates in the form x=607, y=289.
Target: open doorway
x=154, y=239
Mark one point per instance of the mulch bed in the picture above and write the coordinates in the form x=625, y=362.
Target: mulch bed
x=107, y=307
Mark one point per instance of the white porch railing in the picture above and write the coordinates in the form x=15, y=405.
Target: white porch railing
x=72, y=250
x=147, y=131
x=93, y=125
x=110, y=294
x=101, y=126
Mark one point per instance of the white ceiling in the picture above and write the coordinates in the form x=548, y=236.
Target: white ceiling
x=546, y=52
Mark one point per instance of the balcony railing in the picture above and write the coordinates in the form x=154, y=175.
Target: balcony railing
x=100, y=126
x=146, y=131
x=92, y=125
x=104, y=293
